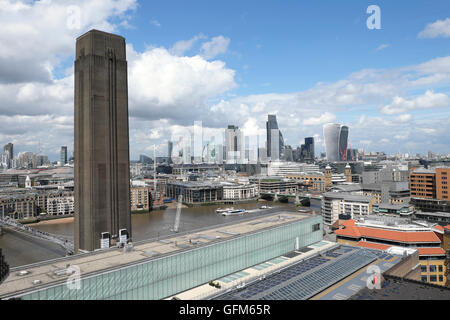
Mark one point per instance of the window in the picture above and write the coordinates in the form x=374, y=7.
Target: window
x=440, y=269
x=424, y=269
x=424, y=278
x=433, y=279
x=432, y=268
x=316, y=227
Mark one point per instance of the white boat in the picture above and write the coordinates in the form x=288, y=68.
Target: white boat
x=265, y=207
x=234, y=212
x=220, y=210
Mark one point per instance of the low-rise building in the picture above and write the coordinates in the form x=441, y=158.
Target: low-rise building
x=195, y=192
x=238, y=192
x=335, y=204
x=60, y=203
x=275, y=185
x=140, y=198
x=382, y=235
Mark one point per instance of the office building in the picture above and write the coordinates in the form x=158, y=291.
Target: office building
x=8, y=152
x=336, y=141
x=169, y=151
x=429, y=189
x=63, y=156
x=275, y=141
x=102, y=189
x=235, y=145
x=309, y=149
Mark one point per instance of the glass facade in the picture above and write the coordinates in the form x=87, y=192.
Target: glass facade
x=162, y=277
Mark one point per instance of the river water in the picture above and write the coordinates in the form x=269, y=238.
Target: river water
x=20, y=249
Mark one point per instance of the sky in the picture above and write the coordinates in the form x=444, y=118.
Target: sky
x=232, y=63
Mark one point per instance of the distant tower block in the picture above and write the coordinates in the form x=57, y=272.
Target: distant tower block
x=102, y=191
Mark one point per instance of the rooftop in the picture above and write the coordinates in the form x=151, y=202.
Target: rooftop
x=100, y=261
x=353, y=230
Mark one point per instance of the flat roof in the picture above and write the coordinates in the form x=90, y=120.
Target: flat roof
x=113, y=258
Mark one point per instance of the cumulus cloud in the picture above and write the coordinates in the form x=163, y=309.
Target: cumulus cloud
x=439, y=28
x=217, y=45
x=163, y=85
x=182, y=46
x=36, y=36
x=428, y=100
x=324, y=118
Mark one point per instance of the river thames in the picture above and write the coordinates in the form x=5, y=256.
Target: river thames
x=20, y=249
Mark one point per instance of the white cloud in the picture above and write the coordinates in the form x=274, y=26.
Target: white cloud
x=324, y=118
x=36, y=36
x=439, y=28
x=426, y=101
x=404, y=117
x=166, y=86
x=181, y=47
x=217, y=45
x=383, y=46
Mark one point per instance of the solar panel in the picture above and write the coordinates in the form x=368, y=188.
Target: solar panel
x=305, y=285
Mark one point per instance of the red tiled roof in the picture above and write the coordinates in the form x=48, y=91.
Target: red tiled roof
x=431, y=251
x=438, y=227
x=353, y=231
x=373, y=245
x=447, y=227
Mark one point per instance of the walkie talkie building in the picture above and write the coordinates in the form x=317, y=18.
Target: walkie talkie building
x=336, y=141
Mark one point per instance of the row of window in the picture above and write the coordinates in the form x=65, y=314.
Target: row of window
x=432, y=268
x=432, y=278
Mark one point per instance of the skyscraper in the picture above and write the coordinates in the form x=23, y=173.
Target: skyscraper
x=275, y=141
x=169, y=151
x=63, y=155
x=102, y=188
x=8, y=151
x=309, y=147
x=336, y=141
x=235, y=145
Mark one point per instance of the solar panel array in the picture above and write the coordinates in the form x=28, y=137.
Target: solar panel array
x=306, y=278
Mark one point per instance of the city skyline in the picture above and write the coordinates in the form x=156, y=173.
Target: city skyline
x=393, y=96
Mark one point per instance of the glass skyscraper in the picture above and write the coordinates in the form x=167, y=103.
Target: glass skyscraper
x=336, y=141
x=275, y=141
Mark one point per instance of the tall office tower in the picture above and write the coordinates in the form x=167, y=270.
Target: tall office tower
x=8, y=151
x=235, y=145
x=169, y=151
x=343, y=143
x=63, y=155
x=275, y=141
x=309, y=146
x=336, y=140
x=102, y=161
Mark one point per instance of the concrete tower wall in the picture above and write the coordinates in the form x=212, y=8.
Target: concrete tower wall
x=102, y=191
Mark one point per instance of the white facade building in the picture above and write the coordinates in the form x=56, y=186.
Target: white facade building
x=233, y=191
x=61, y=205
x=283, y=169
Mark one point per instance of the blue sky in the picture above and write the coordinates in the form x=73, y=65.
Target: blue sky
x=294, y=44
x=309, y=62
